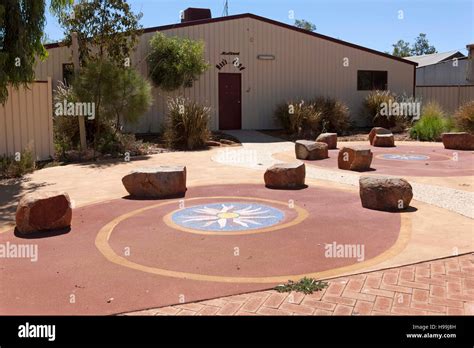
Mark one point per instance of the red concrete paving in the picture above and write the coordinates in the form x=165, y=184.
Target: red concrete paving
x=71, y=276
x=439, y=287
x=440, y=163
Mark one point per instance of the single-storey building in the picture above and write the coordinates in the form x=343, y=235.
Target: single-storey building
x=442, y=69
x=257, y=63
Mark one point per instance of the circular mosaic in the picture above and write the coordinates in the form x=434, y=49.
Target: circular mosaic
x=228, y=217
x=404, y=157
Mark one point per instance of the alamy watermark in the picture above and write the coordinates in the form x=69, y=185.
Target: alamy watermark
x=19, y=251
x=241, y=156
x=346, y=251
x=403, y=108
x=75, y=109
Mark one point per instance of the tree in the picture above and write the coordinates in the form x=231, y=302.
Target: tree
x=118, y=94
x=304, y=24
x=422, y=46
x=106, y=29
x=401, y=49
x=175, y=62
x=21, y=32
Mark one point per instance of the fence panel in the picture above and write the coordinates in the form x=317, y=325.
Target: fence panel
x=26, y=121
x=449, y=97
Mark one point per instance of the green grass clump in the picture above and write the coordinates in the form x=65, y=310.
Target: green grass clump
x=432, y=123
x=16, y=166
x=305, y=285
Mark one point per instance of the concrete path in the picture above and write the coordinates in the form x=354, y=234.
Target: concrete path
x=260, y=149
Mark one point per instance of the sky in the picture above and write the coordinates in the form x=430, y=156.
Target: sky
x=376, y=24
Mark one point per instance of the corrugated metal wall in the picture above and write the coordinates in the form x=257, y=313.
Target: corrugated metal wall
x=304, y=67
x=444, y=73
x=26, y=121
x=448, y=97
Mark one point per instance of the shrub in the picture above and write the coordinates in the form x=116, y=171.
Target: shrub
x=15, y=167
x=464, y=117
x=293, y=116
x=432, y=123
x=310, y=118
x=187, y=124
x=333, y=116
x=372, y=106
x=175, y=62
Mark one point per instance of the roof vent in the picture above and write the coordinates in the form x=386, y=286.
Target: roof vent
x=195, y=14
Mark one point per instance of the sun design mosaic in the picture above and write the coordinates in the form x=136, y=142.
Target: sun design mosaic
x=403, y=157
x=228, y=216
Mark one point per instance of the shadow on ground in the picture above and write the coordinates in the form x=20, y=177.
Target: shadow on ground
x=11, y=191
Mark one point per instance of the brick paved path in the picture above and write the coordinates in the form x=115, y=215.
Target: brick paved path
x=441, y=287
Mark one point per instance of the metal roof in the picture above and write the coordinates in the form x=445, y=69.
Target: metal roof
x=430, y=59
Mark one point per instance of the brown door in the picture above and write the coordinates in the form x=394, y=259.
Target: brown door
x=230, y=101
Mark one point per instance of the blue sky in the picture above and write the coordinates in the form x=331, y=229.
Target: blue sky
x=449, y=24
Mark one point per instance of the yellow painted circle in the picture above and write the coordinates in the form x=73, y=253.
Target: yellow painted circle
x=104, y=247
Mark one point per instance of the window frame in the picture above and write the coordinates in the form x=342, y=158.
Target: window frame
x=374, y=85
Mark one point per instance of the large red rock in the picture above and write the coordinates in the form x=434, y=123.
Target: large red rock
x=310, y=150
x=43, y=211
x=285, y=176
x=458, y=141
x=354, y=158
x=329, y=138
x=387, y=194
x=377, y=130
x=156, y=182
x=383, y=140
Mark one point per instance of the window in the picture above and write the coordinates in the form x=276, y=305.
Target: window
x=368, y=80
x=68, y=73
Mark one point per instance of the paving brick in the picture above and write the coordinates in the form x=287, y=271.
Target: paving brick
x=469, y=308
x=208, y=310
x=185, y=312
x=339, y=300
x=168, y=310
x=454, y=311
x=422, y=272
x=322, y=312
x=355, y=285
x=372, y=282
x=445, y=302
x=319, y=304
x=335, y=289
x=417, y=285
x=196, y=307
x=275, y=300
x=382, y=304
x=390, y=278
x=428, y=307
x=438, y=291
x=272, y=311
x=342, y=310
x=402, y=300
x=396, y=288
x=420, y=295
x=378, y=292
x=229, y=308
x=358, y=296
x=407, y=275
x=437, y=268
x=295, y=297
x=297, y=309
x=430, y=281
x=363, y=308
x=407, y=311
x=253, y=304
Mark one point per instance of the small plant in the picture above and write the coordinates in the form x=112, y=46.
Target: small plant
x=16, y=166
x=305, y=285
x=333, y=115
x=464, y=117
x=294, y=115
x=432, y=123
x=372, y=106
x=187, y=124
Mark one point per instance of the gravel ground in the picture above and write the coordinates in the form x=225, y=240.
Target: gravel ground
x=258, y=149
